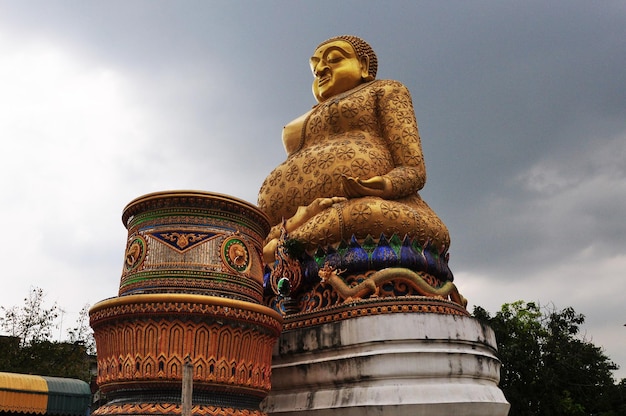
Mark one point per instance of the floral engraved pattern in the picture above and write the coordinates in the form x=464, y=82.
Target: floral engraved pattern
x=277, y=201
x=309, y=165
x=360, y=213
x=315, y=124
x=412, y=158
x=293, y=196
x=345, y=153
x=324, y=184
x=360, y=167
x=339, y=172
x=390, y=211
x=367, y=122
x=404, y=117
x=349, y=110
x=326, y=160
x=308, y=190
x=292, y=173
x=275, y=178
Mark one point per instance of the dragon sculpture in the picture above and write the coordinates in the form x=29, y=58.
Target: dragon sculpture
x=371, y=285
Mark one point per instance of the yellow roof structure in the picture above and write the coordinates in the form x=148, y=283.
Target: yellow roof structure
x=23, y=393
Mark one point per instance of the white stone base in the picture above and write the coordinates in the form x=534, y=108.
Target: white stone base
x=391, y=364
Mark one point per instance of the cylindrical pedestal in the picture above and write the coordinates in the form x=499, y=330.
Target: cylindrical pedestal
x=194, y=242
x=143, y=341
x=190, y=291
x=393, y=364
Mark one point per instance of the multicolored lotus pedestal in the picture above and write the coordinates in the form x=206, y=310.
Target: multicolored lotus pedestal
x=191, y=292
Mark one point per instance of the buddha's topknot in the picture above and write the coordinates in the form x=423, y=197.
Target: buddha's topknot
x=361, y=48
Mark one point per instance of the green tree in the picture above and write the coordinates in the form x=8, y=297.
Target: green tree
x=31, y=323
x=547, y=368
x=29, y=348
x=82, y=332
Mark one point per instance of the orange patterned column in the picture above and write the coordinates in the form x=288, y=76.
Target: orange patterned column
x=191, y=286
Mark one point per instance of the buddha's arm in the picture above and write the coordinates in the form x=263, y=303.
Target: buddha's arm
x=399, y=127
x=401, y=133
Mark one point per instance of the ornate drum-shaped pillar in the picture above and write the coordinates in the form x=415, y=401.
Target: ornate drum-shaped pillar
x=190, y=292
x=192, y=242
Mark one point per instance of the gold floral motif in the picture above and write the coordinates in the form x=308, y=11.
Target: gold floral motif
x=182, y=240
x=360, y=213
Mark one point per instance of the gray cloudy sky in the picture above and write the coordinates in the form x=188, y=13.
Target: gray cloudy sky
x=521, y=107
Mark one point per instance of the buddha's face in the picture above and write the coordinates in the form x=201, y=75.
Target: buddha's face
x=336, y=68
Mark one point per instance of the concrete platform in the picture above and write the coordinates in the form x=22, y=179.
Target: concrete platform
x=392, y=364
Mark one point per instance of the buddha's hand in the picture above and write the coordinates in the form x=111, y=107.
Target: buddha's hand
x=379, y=186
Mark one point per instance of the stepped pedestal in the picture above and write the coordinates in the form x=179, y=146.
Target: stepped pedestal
x=387, y=364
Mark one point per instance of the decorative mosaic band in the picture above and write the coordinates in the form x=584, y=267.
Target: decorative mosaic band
x=200, y=283
x=163, y=204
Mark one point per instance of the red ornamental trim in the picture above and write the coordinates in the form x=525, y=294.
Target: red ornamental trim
x=181, y=304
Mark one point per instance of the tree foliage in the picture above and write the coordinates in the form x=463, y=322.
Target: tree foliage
x=31, y=323
x=547, y=367
x=82, y=332
x=29, y=348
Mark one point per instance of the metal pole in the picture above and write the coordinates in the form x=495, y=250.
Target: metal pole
x=187, y=392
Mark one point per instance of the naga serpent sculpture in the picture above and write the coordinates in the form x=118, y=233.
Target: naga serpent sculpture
x=371, y=285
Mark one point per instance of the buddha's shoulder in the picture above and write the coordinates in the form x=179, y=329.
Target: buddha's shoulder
x=387, y=85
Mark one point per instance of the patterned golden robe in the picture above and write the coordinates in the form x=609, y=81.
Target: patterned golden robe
x=368, y=131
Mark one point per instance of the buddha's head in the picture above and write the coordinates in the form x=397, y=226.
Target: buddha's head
x=340, y=64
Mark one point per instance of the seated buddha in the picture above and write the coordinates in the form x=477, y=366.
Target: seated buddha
x=354, y=162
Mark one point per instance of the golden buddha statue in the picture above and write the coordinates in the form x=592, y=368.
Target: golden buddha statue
x=354, y=162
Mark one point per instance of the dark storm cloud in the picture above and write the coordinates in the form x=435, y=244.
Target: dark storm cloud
x=521, y=108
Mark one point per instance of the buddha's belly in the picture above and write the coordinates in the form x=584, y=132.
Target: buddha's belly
x=316, y=171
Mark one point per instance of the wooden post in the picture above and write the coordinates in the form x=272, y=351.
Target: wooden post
x=187, y=392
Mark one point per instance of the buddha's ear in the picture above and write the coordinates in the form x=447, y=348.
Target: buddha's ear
x=365, y=67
